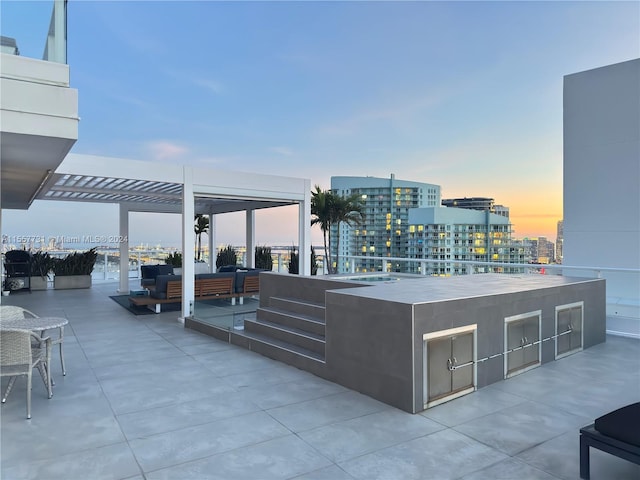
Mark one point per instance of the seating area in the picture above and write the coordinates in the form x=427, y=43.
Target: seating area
x=167, y=288
x=146, y=398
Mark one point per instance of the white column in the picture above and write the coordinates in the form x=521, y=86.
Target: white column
x=212, y=243
x=1, y=263
x=123, y=246
x=188, y=241
x=251, y=238
x=304, y=231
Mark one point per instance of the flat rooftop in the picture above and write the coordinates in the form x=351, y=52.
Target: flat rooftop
x=412, y=289
x=145, y=398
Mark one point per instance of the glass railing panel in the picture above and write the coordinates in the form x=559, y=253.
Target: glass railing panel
x=222, y=314
x=25, y=25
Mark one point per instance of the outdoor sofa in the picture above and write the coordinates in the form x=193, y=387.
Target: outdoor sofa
x=208, y=286
x=149, y=274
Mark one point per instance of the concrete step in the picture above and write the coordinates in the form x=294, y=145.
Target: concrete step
x=281, y=351
x=296, y=305
x=292, y=336
x=291, y=319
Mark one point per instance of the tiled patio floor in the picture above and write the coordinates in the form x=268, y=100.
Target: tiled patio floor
x=146, y=399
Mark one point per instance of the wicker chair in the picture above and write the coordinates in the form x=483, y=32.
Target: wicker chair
x=19, y=357
x=11, y=312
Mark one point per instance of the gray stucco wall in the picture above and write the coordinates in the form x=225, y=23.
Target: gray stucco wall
x=369, y=347
x=374, y=346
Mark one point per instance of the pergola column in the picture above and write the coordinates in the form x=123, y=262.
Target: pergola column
x=188, y=241
x=212, y=243
x=123, y=247
x=251, y=237
x=304, y=231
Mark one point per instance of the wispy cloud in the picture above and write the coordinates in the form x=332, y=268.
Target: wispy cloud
x=284, y=151
x=208, y=83
x=165, y=150
x=399, y=112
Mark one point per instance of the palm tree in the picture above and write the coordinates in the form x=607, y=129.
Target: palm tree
x=320, y=207
x=201, y=226
x=332, y=209
x=347, y=210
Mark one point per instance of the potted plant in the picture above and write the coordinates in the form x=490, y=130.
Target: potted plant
x=227, y=257
x=263, y=258
x=294, y=262
x=74, y=270
x=175, y=260
x=41, y=264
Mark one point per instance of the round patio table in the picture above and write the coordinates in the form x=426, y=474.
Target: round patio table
x=39, y=324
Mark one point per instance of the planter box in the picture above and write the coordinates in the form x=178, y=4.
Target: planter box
x=38, y=283
x=71, y=281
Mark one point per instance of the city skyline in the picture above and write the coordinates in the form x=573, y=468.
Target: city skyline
x=466, y=95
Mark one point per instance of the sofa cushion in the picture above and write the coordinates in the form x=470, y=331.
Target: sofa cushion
x=150, y=272
x=227, y=268
x=622, y=424
x=161, y=285
x=241, y=275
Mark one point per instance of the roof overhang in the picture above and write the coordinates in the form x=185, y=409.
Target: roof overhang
x=156, y=187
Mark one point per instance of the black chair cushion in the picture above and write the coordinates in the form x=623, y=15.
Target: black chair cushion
x=622, y=424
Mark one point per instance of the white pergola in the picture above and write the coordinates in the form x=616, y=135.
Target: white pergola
x=139, y=186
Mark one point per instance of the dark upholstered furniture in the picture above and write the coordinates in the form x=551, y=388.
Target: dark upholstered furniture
x=150, y=272
x=617, y=433
x=207, y=286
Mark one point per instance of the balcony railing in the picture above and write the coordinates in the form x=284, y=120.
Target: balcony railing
x=36, y=20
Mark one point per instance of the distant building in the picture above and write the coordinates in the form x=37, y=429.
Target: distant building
x=386, y=202
x=459, y=234
x=559, y=241
x=405, y=219
x=540, y=250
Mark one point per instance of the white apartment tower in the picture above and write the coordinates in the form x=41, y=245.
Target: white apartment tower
x=404, y=219
x=386, y=202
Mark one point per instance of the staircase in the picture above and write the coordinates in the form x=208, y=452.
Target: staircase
x=291, y=330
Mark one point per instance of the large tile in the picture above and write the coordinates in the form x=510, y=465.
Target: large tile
x=51, y=436
x=520, y=427
x=307, y=388
x=133, y=399
x=483, y=402
x=332, y=472
x=325, y=410
x=509, y=469
x=442, y=455
x=352, y=438
x=179, y=446
x=184, y=414
x=560, y=457
x=112, y=462
x=277, y=459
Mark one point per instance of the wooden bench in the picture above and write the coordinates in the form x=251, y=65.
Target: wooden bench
x=204, y=289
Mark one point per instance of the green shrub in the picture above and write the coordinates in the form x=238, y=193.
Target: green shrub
x=226, y=256
x=294, y=263
x=174, y=259
x=263, y=258
x=77, y=263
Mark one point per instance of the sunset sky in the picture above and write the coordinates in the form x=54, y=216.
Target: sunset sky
x=466, y=95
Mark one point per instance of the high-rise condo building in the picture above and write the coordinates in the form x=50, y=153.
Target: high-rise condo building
x=386, y=202
x=559, y=241
x=405, y=219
